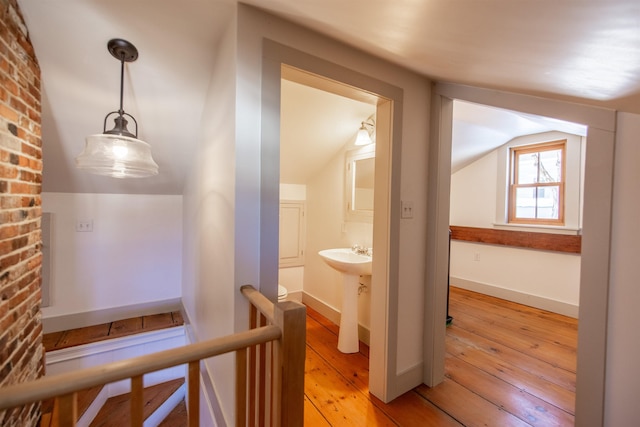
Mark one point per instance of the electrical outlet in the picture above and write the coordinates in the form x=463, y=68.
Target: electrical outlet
x=85, y=225
x=407, y=209
x=476, y=256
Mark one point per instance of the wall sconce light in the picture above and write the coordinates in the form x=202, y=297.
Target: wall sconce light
x=117, y=152
x=365, y=136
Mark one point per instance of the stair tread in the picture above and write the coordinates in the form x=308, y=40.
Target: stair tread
x=125, y=327
x=177, y=417
x=84, y=399
x=117, y=409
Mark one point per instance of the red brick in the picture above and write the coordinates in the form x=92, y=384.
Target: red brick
x=8, y=113
x=21, y=351
x=8, y=171
x=8, y=231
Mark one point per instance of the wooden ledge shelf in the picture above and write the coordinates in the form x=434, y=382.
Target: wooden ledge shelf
x=519, y=239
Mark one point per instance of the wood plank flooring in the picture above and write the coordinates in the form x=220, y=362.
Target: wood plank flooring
x=506, y=365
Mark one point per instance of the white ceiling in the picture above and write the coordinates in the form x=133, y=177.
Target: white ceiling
x=586, y=51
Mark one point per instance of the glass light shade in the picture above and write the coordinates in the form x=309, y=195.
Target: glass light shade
x=117, y=156
x=363, y=137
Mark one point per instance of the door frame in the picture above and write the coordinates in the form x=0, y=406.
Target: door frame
x=384, y=382
x=596, y=231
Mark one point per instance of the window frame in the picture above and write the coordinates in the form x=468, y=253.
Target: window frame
x=514, y=153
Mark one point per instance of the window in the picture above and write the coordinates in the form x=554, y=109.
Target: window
x=537, y=184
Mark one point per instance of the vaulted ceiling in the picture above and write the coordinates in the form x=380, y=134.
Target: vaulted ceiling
x=586, y=51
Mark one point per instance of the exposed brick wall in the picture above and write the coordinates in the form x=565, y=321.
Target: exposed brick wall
x=21, y=351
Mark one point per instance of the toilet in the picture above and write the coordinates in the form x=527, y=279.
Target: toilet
x=282, y=293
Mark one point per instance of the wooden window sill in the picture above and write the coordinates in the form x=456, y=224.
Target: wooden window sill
x=519, y=239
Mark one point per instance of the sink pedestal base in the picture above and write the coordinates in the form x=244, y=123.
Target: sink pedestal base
x=348, y=335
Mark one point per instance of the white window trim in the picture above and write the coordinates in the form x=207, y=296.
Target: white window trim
x=574, y=183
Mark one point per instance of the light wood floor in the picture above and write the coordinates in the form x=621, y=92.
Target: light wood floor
x=506, y=365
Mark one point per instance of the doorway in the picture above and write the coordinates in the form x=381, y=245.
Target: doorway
x=317, y=134
x=594, y=270
x=483, y=139
x=278, y=60
x=381, y=240
x=492, y=257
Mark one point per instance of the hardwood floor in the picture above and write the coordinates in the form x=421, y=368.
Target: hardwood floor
x=506, y=365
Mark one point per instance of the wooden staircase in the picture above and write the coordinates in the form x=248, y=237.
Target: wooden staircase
x=269, y=372
x=164, y=403
x=159, y=401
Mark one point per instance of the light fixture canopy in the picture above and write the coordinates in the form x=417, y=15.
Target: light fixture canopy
x=118, y=152
x=365, y=136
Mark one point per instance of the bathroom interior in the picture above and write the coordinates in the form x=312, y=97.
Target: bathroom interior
x=326, y=200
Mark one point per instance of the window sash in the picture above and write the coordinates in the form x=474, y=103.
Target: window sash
x=538, y=217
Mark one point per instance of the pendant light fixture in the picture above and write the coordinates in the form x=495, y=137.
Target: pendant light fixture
x=117, y=152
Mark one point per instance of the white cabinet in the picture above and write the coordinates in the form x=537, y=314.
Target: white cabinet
x=292, y=233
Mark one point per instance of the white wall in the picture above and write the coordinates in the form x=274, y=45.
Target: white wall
x=262, y=178
x=325, y=224
x=623, y=341
x=551, y=282
x=132, y=257
x=209, y=254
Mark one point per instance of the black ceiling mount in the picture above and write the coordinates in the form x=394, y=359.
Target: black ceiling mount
x=122, y=50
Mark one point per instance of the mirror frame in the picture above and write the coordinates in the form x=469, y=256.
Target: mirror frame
x=357, y=215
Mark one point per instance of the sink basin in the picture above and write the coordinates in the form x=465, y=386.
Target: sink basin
x=346, y=261
x=352, y=266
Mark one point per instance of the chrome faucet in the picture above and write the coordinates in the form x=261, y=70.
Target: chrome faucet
x=361, y=250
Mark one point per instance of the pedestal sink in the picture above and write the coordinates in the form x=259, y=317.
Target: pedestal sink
x=352, y=265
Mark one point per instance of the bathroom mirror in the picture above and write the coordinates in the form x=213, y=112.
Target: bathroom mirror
x=360, y=173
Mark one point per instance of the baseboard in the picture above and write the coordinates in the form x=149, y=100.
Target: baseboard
x=89, y=318
x=295, y=296
x=333, y=315
x=542, y=303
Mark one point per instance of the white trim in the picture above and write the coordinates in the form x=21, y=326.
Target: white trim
x=94, y=408
x=65, y=322
x=536, y=301
x=163, y=411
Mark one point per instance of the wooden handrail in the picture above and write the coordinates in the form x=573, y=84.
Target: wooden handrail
x=71, y=382
x=276, y=398
x=259, y=301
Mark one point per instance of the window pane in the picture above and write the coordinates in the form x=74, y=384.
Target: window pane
x=527, y=168
x=548, y=202
x=525, y=202
x=550, y=166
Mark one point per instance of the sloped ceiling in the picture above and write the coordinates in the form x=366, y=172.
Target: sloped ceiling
x=315, y=126
x=587, y=52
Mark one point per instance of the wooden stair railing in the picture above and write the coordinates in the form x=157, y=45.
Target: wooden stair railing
x=278, y=337
x=279, y=402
